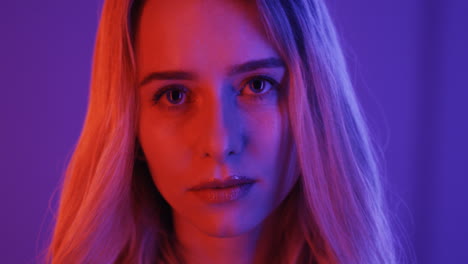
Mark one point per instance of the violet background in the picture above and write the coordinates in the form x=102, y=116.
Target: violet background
x=408, y=60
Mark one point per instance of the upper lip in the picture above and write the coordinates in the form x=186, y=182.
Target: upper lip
x=223, y=183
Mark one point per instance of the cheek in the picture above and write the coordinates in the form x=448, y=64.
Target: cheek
x=264, y=130
x=269, y=152
x=166, y=150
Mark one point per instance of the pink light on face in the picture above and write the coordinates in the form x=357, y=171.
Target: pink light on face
x=210, y=98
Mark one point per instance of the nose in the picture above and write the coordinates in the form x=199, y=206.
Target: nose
x=220, y=135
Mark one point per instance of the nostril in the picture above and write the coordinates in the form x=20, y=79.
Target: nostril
x=220, y=154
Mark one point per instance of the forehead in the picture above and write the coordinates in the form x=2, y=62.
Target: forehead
x=199, y=34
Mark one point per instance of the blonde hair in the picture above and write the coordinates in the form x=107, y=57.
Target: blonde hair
x=110, y=211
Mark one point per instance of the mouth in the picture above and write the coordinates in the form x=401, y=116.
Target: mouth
x=230, y=182
x=222, y=191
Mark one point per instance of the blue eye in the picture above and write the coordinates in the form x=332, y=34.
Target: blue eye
x=261, y=86
x=257, y=85
x=174, y=94
x=177, y=96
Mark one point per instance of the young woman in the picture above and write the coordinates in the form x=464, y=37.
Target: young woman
x=221, y=131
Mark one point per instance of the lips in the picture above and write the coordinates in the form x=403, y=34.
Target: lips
x=227, y=191
x=229, y=182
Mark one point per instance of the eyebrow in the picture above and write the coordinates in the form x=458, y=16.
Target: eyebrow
x=248, y=66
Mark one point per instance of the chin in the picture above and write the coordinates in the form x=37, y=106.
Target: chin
x=225, y=230
x=226, y=226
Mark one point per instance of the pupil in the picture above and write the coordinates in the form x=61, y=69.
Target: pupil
x=257, y=84
x=175, y=96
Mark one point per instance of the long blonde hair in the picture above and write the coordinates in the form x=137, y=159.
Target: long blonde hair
x=110, y=211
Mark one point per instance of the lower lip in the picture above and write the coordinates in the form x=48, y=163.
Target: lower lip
x=224, y=195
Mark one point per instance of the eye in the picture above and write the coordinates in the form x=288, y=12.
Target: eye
x=174, y=95
x=260, y=86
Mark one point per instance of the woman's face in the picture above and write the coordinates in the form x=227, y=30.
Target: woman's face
x=211, y=108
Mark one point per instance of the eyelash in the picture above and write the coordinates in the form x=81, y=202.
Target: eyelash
x=176, y=87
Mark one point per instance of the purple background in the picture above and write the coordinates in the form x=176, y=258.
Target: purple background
x=407, y=58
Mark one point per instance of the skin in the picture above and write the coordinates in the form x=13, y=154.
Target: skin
x=215, y=126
